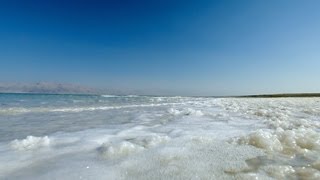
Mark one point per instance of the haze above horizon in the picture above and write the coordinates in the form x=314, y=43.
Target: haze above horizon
x=164, y=47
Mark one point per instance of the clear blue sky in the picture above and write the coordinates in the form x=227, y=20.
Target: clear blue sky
x=200, y=47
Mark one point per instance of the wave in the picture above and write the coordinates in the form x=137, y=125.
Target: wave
x=114, y=96
x=30, y=143
x=186, y=112
x=128, y=147
x=18, y=110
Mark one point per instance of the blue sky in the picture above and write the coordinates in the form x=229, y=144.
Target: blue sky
x=200, y=47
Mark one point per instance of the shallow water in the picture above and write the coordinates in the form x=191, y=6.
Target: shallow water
x=141, y=137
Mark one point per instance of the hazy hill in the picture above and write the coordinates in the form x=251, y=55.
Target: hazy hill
x=45, y=87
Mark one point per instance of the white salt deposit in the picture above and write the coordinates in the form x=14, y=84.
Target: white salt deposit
x=132, y=137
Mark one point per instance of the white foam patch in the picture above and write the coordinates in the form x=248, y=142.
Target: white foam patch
x=30, y=143
x=297, y=150
x=190, y=158
x=110, y=96
x=187, y=138
x=284, y=141
x=18, y=110
x=285, y=113
x=128, y=146
x=186, y=112
x=122, y=149
x=182, y=158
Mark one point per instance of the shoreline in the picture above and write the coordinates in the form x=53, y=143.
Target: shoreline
x=282, y=95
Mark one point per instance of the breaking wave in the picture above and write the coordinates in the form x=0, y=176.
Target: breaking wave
x=17, y=111
x=185, y=112
x=30, y=143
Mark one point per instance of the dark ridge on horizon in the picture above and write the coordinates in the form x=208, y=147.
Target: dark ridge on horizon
x=56, y=88
x=45, y=88
x=51, y=88
x=282, y=95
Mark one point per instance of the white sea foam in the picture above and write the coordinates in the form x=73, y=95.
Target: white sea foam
x=129, y=146
x=18, y=111
x=119, y=96
x=193, y=157
x=285, y=141
x=168, y=138
x=119, y=150
x=109, y=96
x=30, y=143
x=186, y=112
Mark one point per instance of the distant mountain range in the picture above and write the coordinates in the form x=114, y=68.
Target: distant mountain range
x=46, y=88
x=64, y=88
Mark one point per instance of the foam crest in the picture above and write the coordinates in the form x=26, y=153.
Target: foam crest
x=288, y=142
x=109, y=96
x=262, y=139
x=186, y=112
x=130, y=146
x=109, y=150
x=18, y=111
x=30, y=143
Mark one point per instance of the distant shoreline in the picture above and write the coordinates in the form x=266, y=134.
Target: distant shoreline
x=282, y=95
x=53, y=94
x=289, y=95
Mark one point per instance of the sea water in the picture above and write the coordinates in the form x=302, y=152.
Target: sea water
x=145, y=137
